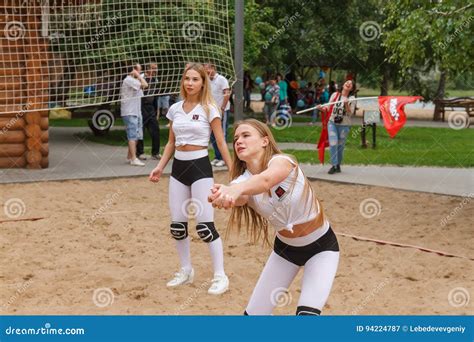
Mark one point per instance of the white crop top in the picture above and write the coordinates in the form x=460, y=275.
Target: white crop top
x=193, y=128
x=286, y=207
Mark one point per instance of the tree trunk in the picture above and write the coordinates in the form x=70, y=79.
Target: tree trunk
x=385, y=80
x=439, y=96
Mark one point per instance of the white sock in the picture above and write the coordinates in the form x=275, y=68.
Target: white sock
x=184, y=251
x=217, y=256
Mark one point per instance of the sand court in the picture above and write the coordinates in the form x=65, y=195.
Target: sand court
x=103, y=247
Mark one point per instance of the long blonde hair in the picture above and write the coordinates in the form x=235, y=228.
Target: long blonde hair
x=257, y=225
x=205, y=96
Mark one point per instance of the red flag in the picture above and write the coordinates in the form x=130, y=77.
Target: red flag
x=392, y=109
x=324, y=137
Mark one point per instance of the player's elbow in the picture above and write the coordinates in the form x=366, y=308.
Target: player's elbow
x=265, y=183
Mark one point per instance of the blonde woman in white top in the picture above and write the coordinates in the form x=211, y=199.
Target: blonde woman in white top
x=269, y=189
x=191, y=123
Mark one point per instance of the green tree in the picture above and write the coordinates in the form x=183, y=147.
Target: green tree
x=426, y=36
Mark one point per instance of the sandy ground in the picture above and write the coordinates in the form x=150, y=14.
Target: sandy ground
x=103, y=247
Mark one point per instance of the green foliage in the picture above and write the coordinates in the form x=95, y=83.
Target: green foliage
x=426, y=36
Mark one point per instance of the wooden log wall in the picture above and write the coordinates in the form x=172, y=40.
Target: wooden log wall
x=23, y=86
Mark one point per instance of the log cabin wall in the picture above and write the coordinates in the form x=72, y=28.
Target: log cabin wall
x=24, y=84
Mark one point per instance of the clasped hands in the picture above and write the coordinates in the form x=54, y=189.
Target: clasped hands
x=223, y=196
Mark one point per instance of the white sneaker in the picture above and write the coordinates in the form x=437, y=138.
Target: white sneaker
x=220, y=284
x=181, y=278
x=136, y=162
x=214, y=161
x=220, y=163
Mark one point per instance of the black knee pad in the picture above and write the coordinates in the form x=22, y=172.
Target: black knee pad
x=307, y=311
x=179, y=230
x=207, y=232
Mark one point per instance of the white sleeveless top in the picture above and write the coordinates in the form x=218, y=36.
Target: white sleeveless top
x=286, y=206
x=193, y=128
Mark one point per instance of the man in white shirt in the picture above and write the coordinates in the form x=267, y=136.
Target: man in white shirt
x=221, y=93
x=130, y=111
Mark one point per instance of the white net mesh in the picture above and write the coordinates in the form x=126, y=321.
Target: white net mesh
x=74, y=53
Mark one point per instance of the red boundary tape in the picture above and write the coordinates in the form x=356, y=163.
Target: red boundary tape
x=396, y=244
x=25, y=219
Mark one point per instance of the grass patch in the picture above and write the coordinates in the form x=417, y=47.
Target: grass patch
x=77, y=122
x=414, y=146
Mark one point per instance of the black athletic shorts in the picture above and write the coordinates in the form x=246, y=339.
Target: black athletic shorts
x=190, y=171
x=300, y=255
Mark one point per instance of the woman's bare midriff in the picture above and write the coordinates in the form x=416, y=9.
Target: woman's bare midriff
x=303, y=229
x=187, y=148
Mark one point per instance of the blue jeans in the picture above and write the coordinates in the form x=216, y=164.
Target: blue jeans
x=133, y=126
x=225, y=125
x=337, y=141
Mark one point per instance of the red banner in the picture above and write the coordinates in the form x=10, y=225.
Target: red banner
x=324, y=137
x=392, y=109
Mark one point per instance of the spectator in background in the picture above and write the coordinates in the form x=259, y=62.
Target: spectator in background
x=292, y=89
x=332, y=88
x=163, y=104
x=221, y=93
x=130, y=111
x=262, y=86
x=324, y=97
x=248, y=86
x=283, y=100
x=149, y=114
x=272, y=97
x=321, y=97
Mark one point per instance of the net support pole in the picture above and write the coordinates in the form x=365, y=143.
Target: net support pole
x=239, y=60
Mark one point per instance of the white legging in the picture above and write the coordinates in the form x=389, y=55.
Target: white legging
x=278, y=274
x=179, y=196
